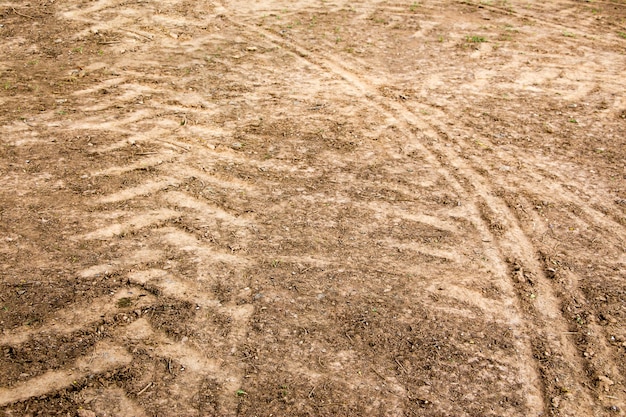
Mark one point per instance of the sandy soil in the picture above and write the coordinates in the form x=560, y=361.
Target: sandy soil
x=312, y=208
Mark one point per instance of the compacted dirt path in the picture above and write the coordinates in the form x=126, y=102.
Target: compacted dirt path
x=324, y=208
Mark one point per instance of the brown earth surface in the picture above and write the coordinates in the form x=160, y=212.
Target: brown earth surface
x=312, y=208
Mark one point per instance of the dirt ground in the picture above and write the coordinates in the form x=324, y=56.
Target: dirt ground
x=312, y=208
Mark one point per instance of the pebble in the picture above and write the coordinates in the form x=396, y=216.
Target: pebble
x=236, y=145
x=605, y=383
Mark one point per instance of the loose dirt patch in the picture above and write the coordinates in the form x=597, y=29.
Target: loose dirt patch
x=312, y=208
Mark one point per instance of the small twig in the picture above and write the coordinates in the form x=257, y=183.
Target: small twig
x=570, y=332
x=349, y=338
x=108, y=42
x=144, y=390
x=379, y=375
x=311, y=393
x=400, y=365
x=20, y=14
x=138, y=34
x=173, y=144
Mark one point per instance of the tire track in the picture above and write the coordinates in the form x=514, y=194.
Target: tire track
x=518, y=236
x=364, y=89
x=302, y=53
x=104, y=358
x=205, y=258
x=596, y=338
x=537, y=175
x=509, y=9
x=186, y=245
x=540, y=14
x=217, y=223
x=592, y=217
x=499, y=35
x=74, y=318
x=586, y=217
x=510, y=244
x=165, y=121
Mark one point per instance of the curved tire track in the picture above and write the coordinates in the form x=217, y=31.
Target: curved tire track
x=515, y=244
x=204, y=227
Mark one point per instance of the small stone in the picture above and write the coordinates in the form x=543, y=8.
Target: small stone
x=251, y=48
x=236, y=145
x=556, y=401
x=605, y=383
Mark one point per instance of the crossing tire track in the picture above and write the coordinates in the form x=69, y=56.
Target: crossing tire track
x=571, y=356
x=258, y=220
x=364, y=89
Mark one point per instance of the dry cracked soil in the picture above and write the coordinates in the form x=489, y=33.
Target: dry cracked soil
x=312, y=208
